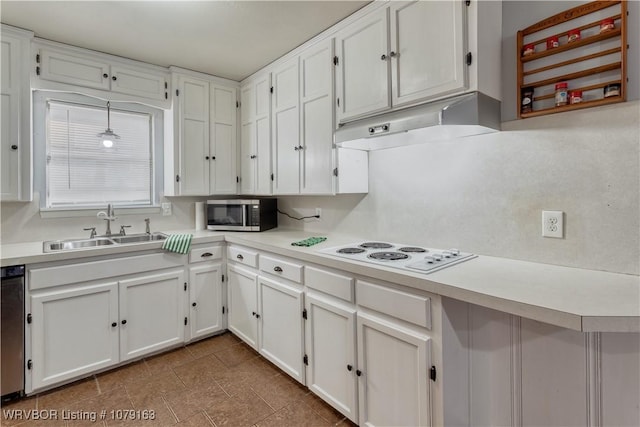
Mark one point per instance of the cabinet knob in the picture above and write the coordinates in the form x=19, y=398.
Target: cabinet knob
x=114, y=78
x=105, y=75
x=383, y=57
x=257, y=316
x=349, y=368
x=114, y=324
x=14, y=147
x=213, y=157
x=300, y=147
x=277, y=269
x=206, y=157
x=253, y=313
x=392, y=54
x=240, y=257
x=253, y=156
x=358, y=372
x=296, y=148
x=124, y=322
x=194, y=304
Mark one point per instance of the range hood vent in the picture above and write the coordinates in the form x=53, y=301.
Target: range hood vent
x=464, y=115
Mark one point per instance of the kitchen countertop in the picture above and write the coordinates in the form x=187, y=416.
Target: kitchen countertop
x=573, y=298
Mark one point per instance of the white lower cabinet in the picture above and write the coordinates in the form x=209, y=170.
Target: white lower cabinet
x=393, y=374
x=242, y=294
x=205, y=300
x=73, y=332
x=281, y=328
x=330, y=339
x=151, y=313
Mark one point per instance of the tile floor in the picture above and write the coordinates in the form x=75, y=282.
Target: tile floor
x=219, y=381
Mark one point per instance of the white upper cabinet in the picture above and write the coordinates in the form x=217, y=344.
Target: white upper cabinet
x=255, y=146
x=363, y=66
x=15, y=142
x=205, y=129
x=84, y=68
x=316, y=119
x=223, y=139
x=286, y=128
x=427, y=49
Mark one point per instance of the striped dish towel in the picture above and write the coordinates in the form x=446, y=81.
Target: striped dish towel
x=179, y=243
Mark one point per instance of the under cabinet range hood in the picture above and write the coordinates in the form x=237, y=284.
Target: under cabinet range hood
x=465, y=115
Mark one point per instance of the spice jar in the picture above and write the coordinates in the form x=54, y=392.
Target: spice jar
x=612, y=90
x=526, y=103
x=607, y=25
x=573, y=35
x=562, y=97
x=552, y=42
x=575, y=97
x=528, y=50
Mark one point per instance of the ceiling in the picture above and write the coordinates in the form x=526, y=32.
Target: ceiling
x=230, y=39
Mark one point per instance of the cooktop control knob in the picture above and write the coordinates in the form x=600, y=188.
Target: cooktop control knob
x=437, y=257
x=429, y=259
x=447, y=254
x=454, y=252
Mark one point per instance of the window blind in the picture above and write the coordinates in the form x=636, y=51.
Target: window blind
x=81, y=172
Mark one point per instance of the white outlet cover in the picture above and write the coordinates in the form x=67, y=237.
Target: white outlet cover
x=166, y=209
x=553, y=224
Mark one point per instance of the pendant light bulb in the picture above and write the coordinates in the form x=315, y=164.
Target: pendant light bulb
x=108, y=136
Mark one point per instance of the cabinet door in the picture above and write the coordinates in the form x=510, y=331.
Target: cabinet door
x=263, y=135
x=205, y=283
x=281, y=326
x=248, y=147
x=139, y=82
x=223, y=140
x=363, y=66
x=242, y=292
x=393, y=374
x=72, y=332
x=10, y=115
x=193, y=104
x=151, y=313
x=330, y=336
x=427, y=41
x=286, y=131
x=77, y=70
x=316, y=119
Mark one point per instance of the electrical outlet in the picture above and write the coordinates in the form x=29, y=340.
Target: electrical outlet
x=318, y=213
x=166, y=209
x=553, y=224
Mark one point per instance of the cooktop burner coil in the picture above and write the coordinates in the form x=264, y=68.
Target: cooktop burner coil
x=350, y=251
x=388, y=256
x=412, y=249
x=376, y=245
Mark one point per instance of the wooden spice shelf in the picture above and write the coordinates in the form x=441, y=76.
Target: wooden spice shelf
x=611, y=58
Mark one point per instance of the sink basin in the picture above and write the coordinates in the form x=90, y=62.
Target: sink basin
x=63, y=245
x=139, y=238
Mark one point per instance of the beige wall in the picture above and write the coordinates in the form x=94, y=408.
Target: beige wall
x=485, y=194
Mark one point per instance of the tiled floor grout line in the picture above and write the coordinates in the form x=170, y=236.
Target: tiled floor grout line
x=166, y=404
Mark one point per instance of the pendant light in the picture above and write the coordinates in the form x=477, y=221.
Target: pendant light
x=108, y=136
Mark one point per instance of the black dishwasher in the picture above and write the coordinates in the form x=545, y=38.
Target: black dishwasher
x=12, y=331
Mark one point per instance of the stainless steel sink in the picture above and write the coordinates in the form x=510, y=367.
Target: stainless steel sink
x=63, y=245
x=139, y=238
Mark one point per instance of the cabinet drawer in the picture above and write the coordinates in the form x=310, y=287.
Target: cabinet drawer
x=330, y=283
x=280, y=268
x=206, y=253
x=412, y=308
x=242, y=256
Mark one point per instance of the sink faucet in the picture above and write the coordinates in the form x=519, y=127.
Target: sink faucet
x=147, y=228
x=93, y=231
x=108, y=216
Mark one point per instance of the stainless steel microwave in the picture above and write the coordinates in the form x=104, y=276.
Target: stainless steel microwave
x=242, y=214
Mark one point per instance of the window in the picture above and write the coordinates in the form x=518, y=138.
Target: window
x=79, y=171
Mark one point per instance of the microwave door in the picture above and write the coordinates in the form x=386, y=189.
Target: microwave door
x=227, y=217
